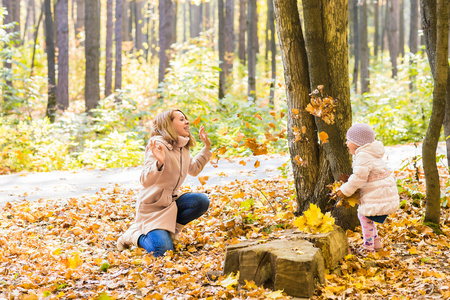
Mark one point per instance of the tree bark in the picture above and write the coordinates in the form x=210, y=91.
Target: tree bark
x=108, y=47
x=364, y=49
x=221, y=45
x=118, y=42
x=393, y=34
x=376, y=37
x=50, y=48
x=207, y=18
x=195, y=20
x=413, y=40
x=356, y=43
x=322, y=60
x=229, y=38
x=7, y=4
x=166, y=15
x=138, y=27
x=251, y=49
x=62, y=90
x=273, y=50
x=401, y=35
x=126, y=21
x=435, y=14
x=242, y=28
x=92, y=54
x=79, y=25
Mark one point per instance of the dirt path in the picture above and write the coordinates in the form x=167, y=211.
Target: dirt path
x=67, y=184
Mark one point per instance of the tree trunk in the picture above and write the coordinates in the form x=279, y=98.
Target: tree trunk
x=50, y=48
x=435, y=15
x=92, y=54
x=251, y=50
x=242, y=28
x=273, y=49
x=35, y=36
x=62, y=90
x=166, y=15
x=194, y=13
x=393, y=34
x=138, y=27
x=364, y=49
x=413, y=40
x=108, y=47
x=7, y=4
x=79, y=25
x=153, y=41
x=126, y=20
x=221, y=42
x=376, y=21
x=16, y=14
x=185, y=23
x=229, y=38
x=207, y=18
x=118, y=42
x=356, y=43
x=325, y=63
x=385, y=24
x=401, y=35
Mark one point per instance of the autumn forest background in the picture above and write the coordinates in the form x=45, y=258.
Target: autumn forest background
x=81, y=81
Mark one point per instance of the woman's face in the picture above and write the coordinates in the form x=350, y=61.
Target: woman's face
x=180, y=123
x=351, y=147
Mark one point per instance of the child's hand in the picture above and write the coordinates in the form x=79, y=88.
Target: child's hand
x=340, y=194
x=158, y=152
x=204, y=137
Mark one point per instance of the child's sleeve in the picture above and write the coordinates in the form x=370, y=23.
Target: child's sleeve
x=361, y=169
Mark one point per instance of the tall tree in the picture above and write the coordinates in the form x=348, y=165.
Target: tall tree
x=242, y=28
x=166, y=23
x=8, y=19
x=207, y=18
x=62, y=90
x=50, y=48
x=15, y=12
x=393, y=33
x=273, y=50
x=221, y=45
x=355, y=43
x=319, y=59
x=435, y=14
x=376, y=24
x=138, y=26
x=229, y=37
x=364, y=48
x=92, y=54
x=251, y=49
x=79, y=25
x=118, y=42
x=401, y=28
x=108, y=47
x=195, y=19
x=126, y=20
x=413, y=40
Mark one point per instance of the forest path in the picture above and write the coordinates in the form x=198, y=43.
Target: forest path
x=68, y=184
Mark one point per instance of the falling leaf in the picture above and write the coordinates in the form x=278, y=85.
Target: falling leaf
x=239, y=137
x=323, y=137
x=273, y=113
x=242, y=163
x=272, y=125
x=257, y=164
x=197, y=121
x=258, y=116
x=223, y=131
x=203, y=179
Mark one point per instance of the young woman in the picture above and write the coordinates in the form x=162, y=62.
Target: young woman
x=161, y=211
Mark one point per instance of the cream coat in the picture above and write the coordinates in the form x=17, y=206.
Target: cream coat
x=156, y=207
x=377, y=188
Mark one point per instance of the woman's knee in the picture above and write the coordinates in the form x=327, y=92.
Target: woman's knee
x=203, y=202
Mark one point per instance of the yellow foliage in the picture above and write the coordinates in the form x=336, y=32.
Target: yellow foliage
x=314, y=221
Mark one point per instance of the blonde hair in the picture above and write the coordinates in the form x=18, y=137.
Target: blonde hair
x=163, y=126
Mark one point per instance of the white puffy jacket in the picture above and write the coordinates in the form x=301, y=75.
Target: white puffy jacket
x=377, y=188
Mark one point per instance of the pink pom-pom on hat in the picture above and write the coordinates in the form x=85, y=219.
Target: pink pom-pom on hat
x=361, y=134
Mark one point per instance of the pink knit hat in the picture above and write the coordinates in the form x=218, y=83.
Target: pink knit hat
x=361, y=134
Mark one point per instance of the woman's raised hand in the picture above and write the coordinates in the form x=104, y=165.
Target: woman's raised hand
x=204, y=137
x=158, y=152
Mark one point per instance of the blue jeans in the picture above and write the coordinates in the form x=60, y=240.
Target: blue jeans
x=190, y=207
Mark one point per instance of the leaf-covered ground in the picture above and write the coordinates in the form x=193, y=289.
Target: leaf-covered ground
x=66, y=249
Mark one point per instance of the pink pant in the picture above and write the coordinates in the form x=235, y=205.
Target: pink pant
x=370, y=234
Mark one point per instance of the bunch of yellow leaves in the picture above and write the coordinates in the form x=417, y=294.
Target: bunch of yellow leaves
x=347, y=202
x=314, y=221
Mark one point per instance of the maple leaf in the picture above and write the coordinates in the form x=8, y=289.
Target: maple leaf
x=323, y=137
x=313, y=221
x=203, y=179
x=230, y=281
x=239, y=137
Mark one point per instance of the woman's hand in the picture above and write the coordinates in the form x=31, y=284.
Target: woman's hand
x=204, y=137
x=158, y=153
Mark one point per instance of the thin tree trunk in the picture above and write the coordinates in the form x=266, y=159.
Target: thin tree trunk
x=35, y=36
x=118, y=38
x=7, y=4
x=138, y=26
x=166, y=15
x=79, y=25
x=229, y=38
x=126, y=20
x=413, y=40
x=62, y=90
x=242, y=28
x=185, y=24
x=195, y=20
x=92, y=54
x=355, y=43
x=108, y=46
x=207, y=18
x=376, y=37
x=385, y=24
x=439, y=9
x=251, y=49
x=401, y=36
x=50, y=47
x=393, y=34
x=364, y=54
x=221, y=42
x=153, y=41
x=273, y=50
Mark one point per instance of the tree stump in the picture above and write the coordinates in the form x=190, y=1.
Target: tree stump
x=294, y=262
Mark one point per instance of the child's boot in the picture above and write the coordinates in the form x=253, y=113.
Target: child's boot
x=377, y=245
